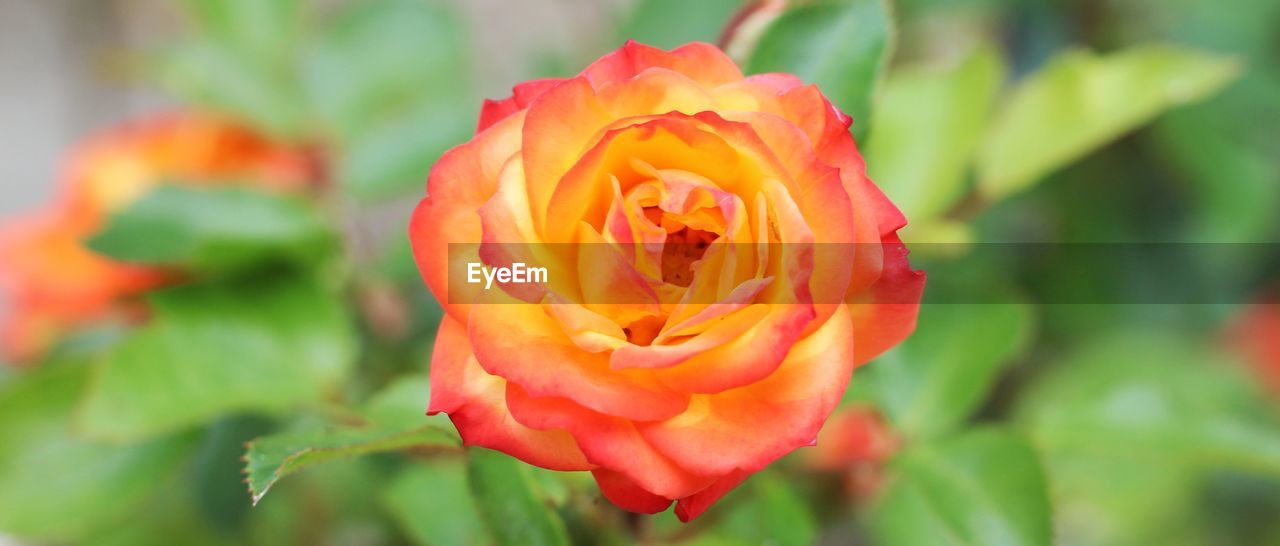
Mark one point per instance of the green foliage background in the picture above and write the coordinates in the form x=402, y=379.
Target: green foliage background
x=283, y=366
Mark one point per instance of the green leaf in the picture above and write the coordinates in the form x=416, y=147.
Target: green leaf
x=767, y=510
x=935, y=379
x=1081, y=101
x=505, y=495
x=58, y=486
x=262, y=28
x=1204, y=144
x=240, y=61
x=1130, y=425
x=402, y=404
x=984, y=487
x=841, y=45
x=673, y=23
x=396, y=155
x=391, y=80
x=213, y=74
x=432, y=502
x=393, y=420
x=265, y=344
x=273, y=457
x=1153, y=394
x=214, y=230
x=928, y=124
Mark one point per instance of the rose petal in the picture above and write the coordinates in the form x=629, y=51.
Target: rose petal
x=522, y=95
x=611, y=442
x=476, y=403
x=524, y=345
x=702, y=62
x=886, y=314
x=694, y=505
x=627, y=495
x=750, y=427
x=461, y=182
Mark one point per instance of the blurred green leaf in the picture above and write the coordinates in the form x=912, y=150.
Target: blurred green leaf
x=432, y=502
x=171, y=513
x=766, y=509
x=505, y=495
x=673, y=23
x=1133, y=424
x=214, y=229
x=983, y=487
x=262, y=28
x=939, y=376
x=273, y=457
x=1081, y=101
x=841, y=45
x=216, y=478
x=391, y=80
x=213, y=74
x=1152, y=395
x=265, y=344
x=57, y=486
x=403, y=404
x=1234, y=184
x=928, y=124
x=240, y=61
x=395, y=156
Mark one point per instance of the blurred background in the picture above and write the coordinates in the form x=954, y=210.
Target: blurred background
x=68, y=63
x=248, y=281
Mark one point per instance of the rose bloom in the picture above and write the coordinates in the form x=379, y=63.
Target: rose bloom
x=667, y=362
x=51, y=282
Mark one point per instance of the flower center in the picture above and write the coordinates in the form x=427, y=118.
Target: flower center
x=682, y=248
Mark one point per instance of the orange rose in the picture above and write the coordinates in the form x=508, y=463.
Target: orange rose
x=690, y=333
x=52, y=282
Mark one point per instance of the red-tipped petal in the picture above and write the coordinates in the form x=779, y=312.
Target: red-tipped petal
x=627, y=495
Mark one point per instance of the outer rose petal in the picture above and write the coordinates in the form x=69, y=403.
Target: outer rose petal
x=475, y=402
x=749, y=427
x=702, y=62
x=610, y=442
x=494, y=111
x=694, y=505
x=627, y=495
x=460, y=183
x=886, y=314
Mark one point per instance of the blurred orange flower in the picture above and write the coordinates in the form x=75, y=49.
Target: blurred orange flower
x=1255, y=334
x=856, y=441
x=690, y=331
x=51, y=282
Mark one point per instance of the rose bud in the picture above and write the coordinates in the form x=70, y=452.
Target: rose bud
x=1255, y=336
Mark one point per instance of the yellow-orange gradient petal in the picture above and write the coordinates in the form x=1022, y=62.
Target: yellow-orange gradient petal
x=750, y=427
x=475, y=402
